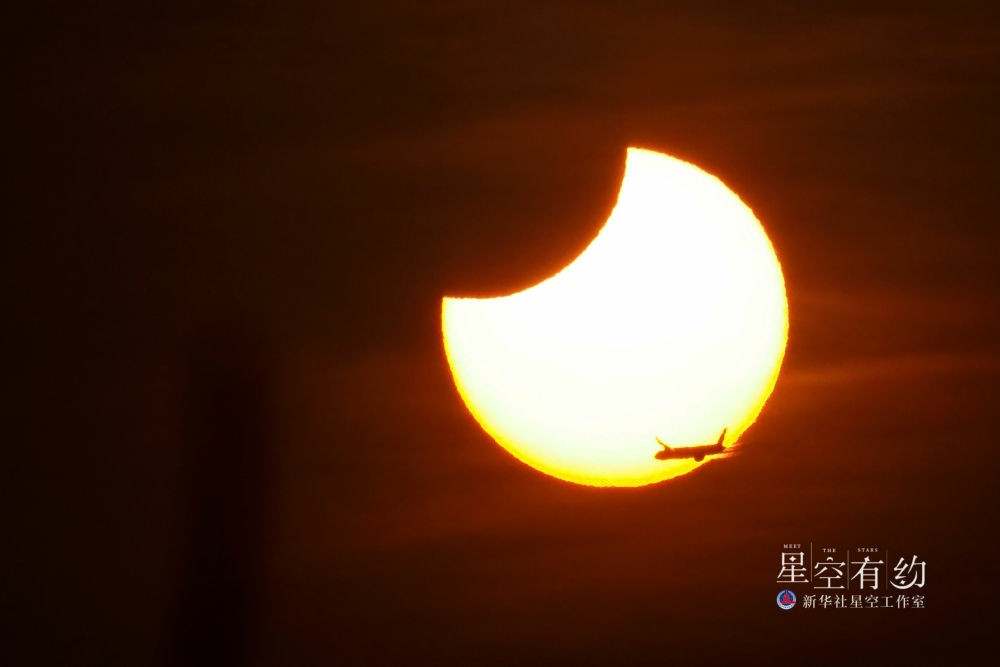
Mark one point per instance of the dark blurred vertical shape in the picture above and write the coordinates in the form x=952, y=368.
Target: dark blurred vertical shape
x=226, y=475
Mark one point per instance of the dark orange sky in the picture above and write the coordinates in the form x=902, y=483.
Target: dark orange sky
x=242, y=444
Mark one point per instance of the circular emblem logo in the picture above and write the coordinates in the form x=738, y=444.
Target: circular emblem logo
x=786, y=599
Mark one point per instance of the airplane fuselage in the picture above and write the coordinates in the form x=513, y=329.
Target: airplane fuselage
x=697, y=452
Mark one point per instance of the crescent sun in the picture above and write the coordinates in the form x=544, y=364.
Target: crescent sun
x=671, y=325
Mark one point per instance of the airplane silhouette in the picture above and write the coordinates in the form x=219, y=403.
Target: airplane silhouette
x=697, y=452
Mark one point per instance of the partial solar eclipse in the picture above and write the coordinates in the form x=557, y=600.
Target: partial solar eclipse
x=671, y=325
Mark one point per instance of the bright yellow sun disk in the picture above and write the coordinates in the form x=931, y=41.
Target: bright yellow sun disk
x=671, y=324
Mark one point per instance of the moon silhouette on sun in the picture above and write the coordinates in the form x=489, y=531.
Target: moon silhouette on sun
x=671, y=324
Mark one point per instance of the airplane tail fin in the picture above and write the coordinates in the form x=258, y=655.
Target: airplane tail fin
x=665, y=446
x=722, y=437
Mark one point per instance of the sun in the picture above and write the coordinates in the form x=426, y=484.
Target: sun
x=671, y=324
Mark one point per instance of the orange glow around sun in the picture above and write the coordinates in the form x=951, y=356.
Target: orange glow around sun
x=671, y=324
